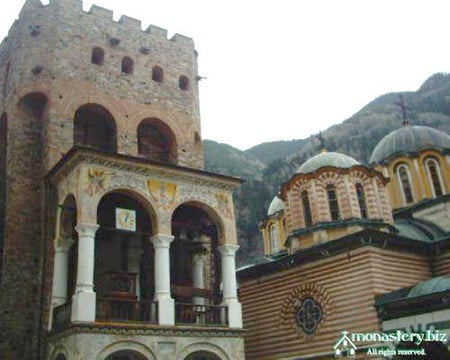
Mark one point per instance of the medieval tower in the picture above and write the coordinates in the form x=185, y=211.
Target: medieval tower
x=116, y=244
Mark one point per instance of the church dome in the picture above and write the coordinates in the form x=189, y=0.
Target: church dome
x=275, y=206
x=409, y=139
x=431, y=286
x=327, y=159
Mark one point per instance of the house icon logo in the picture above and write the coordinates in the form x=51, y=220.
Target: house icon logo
x=344, y=346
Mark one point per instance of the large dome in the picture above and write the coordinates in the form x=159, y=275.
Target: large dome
x=327, y=159
x=409, y=139
x=275, y=206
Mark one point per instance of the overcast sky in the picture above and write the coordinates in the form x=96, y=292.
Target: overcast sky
x=285, y=69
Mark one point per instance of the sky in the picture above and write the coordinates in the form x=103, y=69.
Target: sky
x=287, y=69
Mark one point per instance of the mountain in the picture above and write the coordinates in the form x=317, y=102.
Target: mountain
x=266, y=166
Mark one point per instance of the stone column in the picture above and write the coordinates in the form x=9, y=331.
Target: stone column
x=197, y=277
x=227, y=252
x=84, y=299
x=166, y=305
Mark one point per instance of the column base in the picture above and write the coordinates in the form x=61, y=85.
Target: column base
x=234, y=314
x=83, y=306
x=166, y=311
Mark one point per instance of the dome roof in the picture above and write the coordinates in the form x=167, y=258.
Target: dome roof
x=275, y=206
x=409, y=139
x=327, y=159
x=431, y=286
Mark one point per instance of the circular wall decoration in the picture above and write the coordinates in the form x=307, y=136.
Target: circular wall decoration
x=306, y=308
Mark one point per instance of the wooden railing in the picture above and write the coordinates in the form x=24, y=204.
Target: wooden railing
x=201, y=314
x=116, y=309
x=61, y=316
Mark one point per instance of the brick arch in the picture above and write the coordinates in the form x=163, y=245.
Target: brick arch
x=126, y=345
x=203, y=346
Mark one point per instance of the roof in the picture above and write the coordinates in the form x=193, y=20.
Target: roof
x=407, y=140
x=275, y=206
x=325, y=158
x=431, y=286
x=419, y=229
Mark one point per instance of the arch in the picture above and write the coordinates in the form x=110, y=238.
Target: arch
x=156, y=141
x=59, y=353
x=361, y=196
x=434, y=174
x=98, y=56
x=127, y=65
x=405, y=183
x=274, y=237
x=333, y=202
x=307, y=216
x=183, y=83
x=60, y=356
x=132, y=346
x=94, y=126
x=34, y=104
x=157, y=74
x=209, y=349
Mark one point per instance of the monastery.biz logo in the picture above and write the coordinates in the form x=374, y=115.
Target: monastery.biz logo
x=385, y=343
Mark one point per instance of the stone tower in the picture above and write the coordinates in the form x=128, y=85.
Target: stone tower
x=109, y=224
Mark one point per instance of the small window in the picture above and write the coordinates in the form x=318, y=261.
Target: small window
x=183, y=82
x=197, y=139
x=361, y=200
x=98, y=56
x=306, y=209
x=157, y=74
x=434, y=174
x=405, y=183
x=127, y=65
x=333, y=202
x=274, y=238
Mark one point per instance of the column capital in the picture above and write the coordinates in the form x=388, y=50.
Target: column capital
x=63, y=244
x=199, y=259
x=228, y=249
x=86, y=229
x=161, y=240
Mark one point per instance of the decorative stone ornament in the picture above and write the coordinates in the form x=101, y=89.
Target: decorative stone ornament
x=308, y=315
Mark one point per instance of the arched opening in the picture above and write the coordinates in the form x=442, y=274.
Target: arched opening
x=202, y=355
x=404, y=180
x=183, y=82
x=126, y=355
x=95, y=127
x=3, y=148
x=333, y=203
x=274, y=238
x=124, y=264
x=97, y=56
x=127, y=65
x=195, y=272
x=361, y=200
x=67, y=226
x=60, y=356
x=156, y=141
x=306, y=209
x=157, y=74
x=197, y=139
x=434, y=176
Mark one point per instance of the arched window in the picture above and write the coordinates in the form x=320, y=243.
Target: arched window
x=404, y=180
x=306, y=209
x=274, y=238
x=98, y=56
x=157, y=74
x=183, y=82
x=156, y=141
x=361, y=200
x=127, y=65
x=434, y=176
x=333, y=202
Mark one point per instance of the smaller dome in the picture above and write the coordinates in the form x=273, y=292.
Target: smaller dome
x=275, y=206
x=431, y=286
x=327, y=159
x=409, y=139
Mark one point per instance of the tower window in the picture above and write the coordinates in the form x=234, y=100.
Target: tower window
x=404, y=180
x=306, y=209
x=361, y=200
x=435, y=177
x=127, y=65
x=333, y=202
x=183, y=82
x=157, y=74
x=274, y=238
x=98, y=56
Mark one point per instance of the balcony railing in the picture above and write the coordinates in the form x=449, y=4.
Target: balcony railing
x=201, y=314
x=115, y=309
x=61, y=316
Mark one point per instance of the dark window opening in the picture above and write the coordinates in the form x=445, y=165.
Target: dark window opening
x=183, y=82
x=405, y=183
x=306, y=209
x=95, y=127
x=433, y=169
x=158, y=74
x=127, y=65
x=361, y=200
x=98, y=56
x=333, y=203
x=156, y=141
x=197, y=138
x=126, y=355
